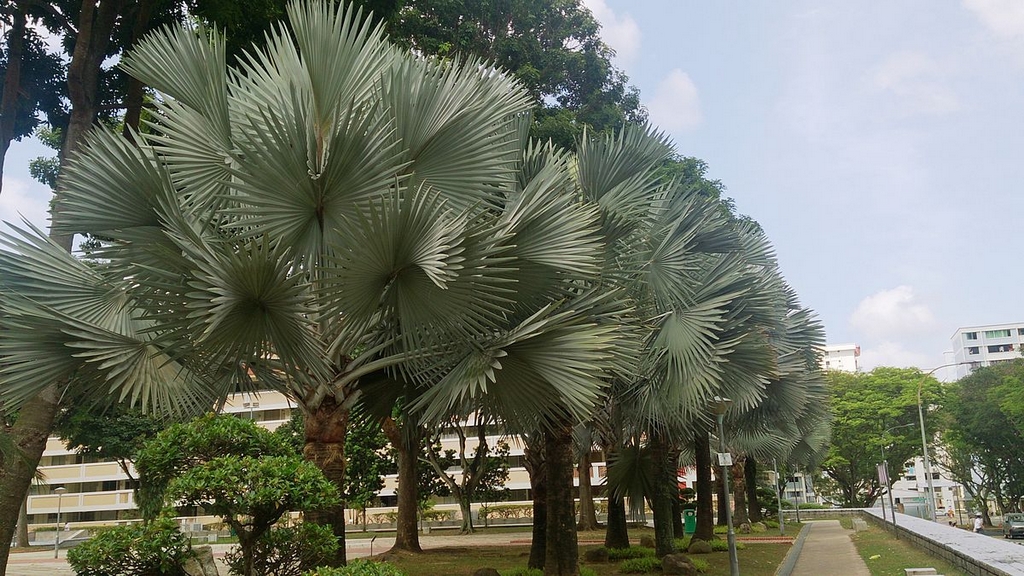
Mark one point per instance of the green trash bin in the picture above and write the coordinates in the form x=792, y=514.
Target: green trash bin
x=689, y=521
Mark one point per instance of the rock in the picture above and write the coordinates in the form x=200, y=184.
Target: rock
x=698, y=546
x=745, y=528
x=596, y=555
x=202, y=563
x=647, y=541
x=486, y=572
x=678, y=564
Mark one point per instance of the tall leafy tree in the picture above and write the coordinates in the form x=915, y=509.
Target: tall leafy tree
x=552, y=46
x=872, y=412
x=984, y=411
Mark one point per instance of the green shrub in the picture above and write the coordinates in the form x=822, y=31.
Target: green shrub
x=287, y=551
x=682, y=543
x=721, y=529
x=631, y=552
x=155, y=548
x=587, y=572
x=360, y=568
x=723, y=545
x=528, y=572
x=506, y=511
x=640, y=565
x=700, y=564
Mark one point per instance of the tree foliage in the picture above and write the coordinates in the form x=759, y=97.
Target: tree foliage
x=985, y=432
x=157, y=548
x=552, y=46
x=874, y=412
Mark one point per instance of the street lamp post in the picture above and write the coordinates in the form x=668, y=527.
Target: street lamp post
x=720, y=406
x=930, y=501
x=60, y=490
x=888, y=488
x=778, y=496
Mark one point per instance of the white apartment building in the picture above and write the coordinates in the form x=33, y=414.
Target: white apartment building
x=842, y=357
x=99, y=492
x=977, y=346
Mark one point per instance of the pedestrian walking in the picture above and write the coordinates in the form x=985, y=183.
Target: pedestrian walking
x=977, y=522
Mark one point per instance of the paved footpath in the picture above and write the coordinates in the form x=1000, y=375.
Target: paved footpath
x=827, y=550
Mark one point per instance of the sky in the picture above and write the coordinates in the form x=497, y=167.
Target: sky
x=880, y=145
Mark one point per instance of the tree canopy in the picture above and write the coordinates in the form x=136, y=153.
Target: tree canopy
x=874, y=412
x=985, y=432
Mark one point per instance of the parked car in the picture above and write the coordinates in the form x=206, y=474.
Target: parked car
x=1013, y=525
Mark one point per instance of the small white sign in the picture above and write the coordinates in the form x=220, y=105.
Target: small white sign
x=724, y=458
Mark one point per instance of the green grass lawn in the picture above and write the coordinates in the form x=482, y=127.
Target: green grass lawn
x=755, y=559
x=887, y=556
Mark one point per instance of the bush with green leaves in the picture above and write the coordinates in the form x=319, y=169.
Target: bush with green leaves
x=287, y=551
x=723, y=545
x=234, y=469
x=640, y=565
x=155, y=548
x=631, y=552
x=360, y=568
x=700, y=564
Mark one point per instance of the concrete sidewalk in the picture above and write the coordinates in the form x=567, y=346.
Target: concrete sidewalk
x=828, y=549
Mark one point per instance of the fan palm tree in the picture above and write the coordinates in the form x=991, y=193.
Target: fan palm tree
x=329, y=209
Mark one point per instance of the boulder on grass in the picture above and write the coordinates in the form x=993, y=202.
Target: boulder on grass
x=486, y=572
x=745, y=528
x=647, y=541
x=678, y=564
x=201, y=564
x=596, y=555
x=698, y=546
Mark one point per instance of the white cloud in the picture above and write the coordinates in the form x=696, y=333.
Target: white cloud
x=892, y=313
x=675, y=105
x=1004, y=17
x=887, y=353
x=621, y=33
x=917, y=82
x=24, y=199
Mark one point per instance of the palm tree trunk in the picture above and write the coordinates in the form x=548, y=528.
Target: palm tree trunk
x=753, y=503
x=406, y=439
x=29, y=433
x=661, y=500
x=739, y=509
x=617, y=533
x=561, y=556
x=325, y=447
x=704, y=488
x=588, y=514
x=538, y=470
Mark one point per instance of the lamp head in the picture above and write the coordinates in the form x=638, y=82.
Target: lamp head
x=60, y=490
x=720, y=405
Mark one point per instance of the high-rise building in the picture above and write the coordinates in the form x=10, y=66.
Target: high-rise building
x=977, y=346
x=842, y=357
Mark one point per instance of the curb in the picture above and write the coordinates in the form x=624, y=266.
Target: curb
x=789, y=562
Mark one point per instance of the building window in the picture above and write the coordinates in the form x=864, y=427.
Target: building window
x=1001, y=348
x=1020, y=331
x=997, y=333
x=970, y=335
x=973, y=350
